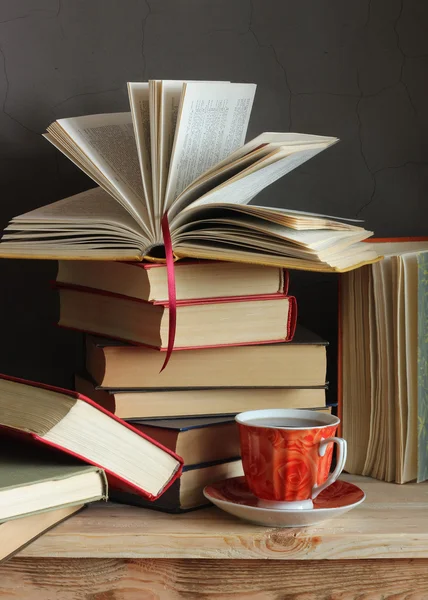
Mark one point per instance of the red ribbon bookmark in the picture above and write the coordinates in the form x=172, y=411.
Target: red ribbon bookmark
x=172, y=295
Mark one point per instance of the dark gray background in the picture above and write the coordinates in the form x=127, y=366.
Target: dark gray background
x=356, y=69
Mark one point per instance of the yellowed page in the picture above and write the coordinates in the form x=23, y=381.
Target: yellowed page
x=88, y=225
x=154, y=107
x=170, y=99
x=376, y=439
x=390, y=370
x=109, y=142
x=356, y=382
x=400, y=365
x=410, y=265
x=139, y=102
x=86, y=166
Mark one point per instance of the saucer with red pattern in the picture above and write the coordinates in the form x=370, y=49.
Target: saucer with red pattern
x=233, y=496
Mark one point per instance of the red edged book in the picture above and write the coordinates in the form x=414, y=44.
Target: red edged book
x=203, y=323
x=194, y=279
x=76, y=425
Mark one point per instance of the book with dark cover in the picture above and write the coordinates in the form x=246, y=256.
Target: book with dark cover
x=146, y=404
x=186, y=493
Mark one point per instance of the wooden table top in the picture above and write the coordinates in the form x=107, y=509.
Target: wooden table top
x=391, y=523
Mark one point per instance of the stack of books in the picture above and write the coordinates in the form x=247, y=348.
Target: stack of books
x=59, y=450
x=231, y=357
x=174, y=180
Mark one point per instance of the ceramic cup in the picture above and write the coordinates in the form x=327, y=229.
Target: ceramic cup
x=286, y=455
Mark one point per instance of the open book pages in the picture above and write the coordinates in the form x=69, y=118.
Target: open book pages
x=384, y=324
x=180, y=152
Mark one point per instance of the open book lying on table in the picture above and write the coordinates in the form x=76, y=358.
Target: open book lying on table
x=180, y=153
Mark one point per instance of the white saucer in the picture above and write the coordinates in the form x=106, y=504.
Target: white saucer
x=233, y=496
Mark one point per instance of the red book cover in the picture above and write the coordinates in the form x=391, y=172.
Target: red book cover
x=115, y=481
x=289, y=326
x=147, y=266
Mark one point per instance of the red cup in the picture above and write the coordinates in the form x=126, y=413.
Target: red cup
x=286, y=455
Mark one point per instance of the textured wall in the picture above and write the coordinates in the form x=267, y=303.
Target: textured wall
x=356, y=69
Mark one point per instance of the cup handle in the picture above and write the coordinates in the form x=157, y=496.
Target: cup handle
x=340, y=463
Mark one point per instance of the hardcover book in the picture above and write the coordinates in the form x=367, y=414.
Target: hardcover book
x=135, y=404
x=383, y=350
x=186, y=493
x=200, y=323
x=77, y=426
x=19, y=533
x=119, y=366
x=194, y=279
x=177, y=163
x=196, y=439
x=35, y=479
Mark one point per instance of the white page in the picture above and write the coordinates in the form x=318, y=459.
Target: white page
x=243, y=188
x=139, y=102
x=109, y=142
x=206, y=183
x=212, y=123
x=277, y=139
x=169, y=100
x=259, y=158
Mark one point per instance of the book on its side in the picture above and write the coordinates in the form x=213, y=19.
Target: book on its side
x=186, y=493
x=196, y=440
x=194, y=279
x=79, y=427
x=36, y=479
x=121, y=366
x=158, y=403
x=384, y=356
x=200, y=324
x=180, y=154
x=17, y=534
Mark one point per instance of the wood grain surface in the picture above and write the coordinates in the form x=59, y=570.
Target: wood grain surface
x=391, y=523
x=110, y=579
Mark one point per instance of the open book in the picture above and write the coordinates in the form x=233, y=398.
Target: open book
x=384, y=354
x=180, y=152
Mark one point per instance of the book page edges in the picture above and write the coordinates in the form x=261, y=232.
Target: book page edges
x=340, y=339
x=56, y=517
x=280, y=262
x=112, y=476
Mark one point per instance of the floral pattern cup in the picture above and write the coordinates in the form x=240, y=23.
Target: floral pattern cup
x=287, y=466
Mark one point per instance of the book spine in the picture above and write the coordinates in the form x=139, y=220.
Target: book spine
x=292, y=319
x=286, y=281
